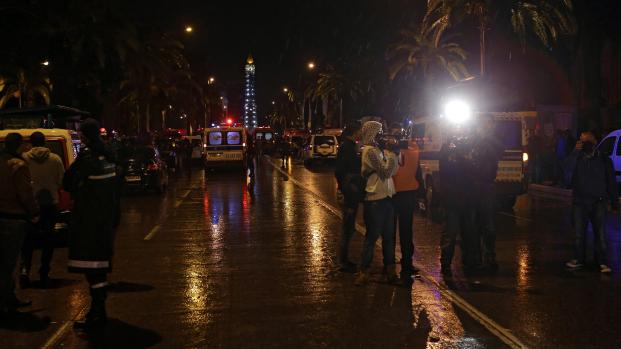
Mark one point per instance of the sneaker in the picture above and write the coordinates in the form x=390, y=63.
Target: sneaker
x=347, y=267
x=604, y=269
x=574, y=264
x=362, y=278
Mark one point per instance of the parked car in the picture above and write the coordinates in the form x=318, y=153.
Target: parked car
x=320, y=147
x=610, y=146
x=144, y=169
x=167, y=149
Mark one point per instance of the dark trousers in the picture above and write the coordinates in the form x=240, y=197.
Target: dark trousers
x=12, y=233
x=485, y=210
x=595, y=213
x=347, y=231
x=44, y=232
x=404, y=203
x=379, y=221
x=459, y=219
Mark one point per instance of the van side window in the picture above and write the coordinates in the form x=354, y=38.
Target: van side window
x=607, y=146
x=619, y=147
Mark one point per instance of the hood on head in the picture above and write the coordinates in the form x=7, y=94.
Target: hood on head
x=38, y=154
x=370, y=129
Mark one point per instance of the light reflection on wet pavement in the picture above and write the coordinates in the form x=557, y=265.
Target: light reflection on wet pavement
x=234, y=266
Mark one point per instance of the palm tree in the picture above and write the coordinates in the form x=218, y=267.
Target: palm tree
x=335, y=84
x=546, y=19
x=27, y=86
x=417, y=51
x=157, y=68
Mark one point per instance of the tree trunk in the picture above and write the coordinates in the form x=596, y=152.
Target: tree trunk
x=482, y=29
x=147, y=121
x=341, y=113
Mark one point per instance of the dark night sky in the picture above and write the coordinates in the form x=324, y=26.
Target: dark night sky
x=282, y=35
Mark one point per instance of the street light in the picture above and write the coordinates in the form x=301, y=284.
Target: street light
x=311, y=65
x=189, y=29
x=211, y=80
x=45, y=63
x=285, y=90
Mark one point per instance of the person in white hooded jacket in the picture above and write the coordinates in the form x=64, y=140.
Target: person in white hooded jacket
x=378, y=167
x=47, y=170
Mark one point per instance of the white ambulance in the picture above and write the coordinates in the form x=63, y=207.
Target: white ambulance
x=225, y=146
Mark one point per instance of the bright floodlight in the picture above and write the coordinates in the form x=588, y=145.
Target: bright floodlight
x=457, y=111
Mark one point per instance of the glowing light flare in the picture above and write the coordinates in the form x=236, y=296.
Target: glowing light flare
x=311, y=65
x=457, y=111
x=189, y=29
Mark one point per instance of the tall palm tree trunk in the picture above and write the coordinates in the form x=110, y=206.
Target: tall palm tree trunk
x=482, y=46
x=147, y=122
x=341, y=113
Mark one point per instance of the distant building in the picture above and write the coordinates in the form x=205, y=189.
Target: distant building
x=250, y=104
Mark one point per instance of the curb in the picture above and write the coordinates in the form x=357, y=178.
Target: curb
x=539, y=189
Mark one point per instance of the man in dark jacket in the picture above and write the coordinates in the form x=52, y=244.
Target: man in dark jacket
x=346, y=173
x=93, y=183
x=594, y=187
x=455, y=189
x=17, y=208
x=486, y=152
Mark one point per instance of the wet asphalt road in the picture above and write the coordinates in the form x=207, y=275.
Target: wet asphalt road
x=213, y=264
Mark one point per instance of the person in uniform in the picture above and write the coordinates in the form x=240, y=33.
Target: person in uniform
x=93, y=183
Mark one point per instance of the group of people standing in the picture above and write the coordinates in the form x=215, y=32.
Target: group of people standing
x=29, y=195
x=387, y=180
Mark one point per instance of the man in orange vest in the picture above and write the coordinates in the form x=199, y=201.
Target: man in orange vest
x=408, y=185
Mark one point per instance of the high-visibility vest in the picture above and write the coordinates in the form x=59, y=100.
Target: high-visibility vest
x=405, y=179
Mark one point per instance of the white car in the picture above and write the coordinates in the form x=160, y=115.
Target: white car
x=320, y=147
x=610, y=146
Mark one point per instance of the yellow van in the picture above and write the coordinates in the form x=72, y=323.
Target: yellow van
x=64, y=143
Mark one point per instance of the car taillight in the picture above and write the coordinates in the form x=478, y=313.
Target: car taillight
x=152, y=167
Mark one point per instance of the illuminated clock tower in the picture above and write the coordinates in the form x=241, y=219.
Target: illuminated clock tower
x=250, y=105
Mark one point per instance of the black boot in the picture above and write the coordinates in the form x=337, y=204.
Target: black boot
x=96, y=317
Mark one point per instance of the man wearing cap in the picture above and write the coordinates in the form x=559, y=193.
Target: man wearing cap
x=92, y=182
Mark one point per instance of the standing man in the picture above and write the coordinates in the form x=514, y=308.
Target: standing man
x=456, y=197
x=351, y=185
x=487, y=151
x=594, y=187
x=408, y=182
x=17, y=209
x=378, y=167
x=93, y=183
x=46, y=170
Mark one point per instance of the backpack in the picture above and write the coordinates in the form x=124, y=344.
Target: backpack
x=354, y=187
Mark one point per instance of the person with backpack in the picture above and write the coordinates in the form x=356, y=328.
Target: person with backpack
x=594, y=187
x=351, y=185
x=46, y=171
x=378, y=167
